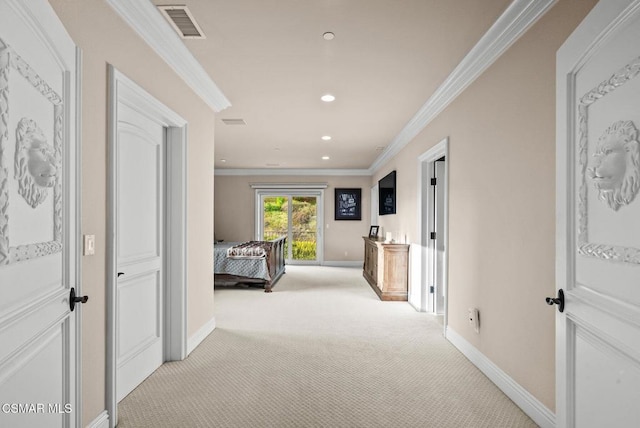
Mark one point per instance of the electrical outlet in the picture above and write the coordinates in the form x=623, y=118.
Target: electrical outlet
x=474, y=319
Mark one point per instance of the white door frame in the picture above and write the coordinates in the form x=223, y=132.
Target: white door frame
x=422, y=299
x=124, y=90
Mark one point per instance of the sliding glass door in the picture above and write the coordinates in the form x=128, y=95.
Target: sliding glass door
x=294, y=215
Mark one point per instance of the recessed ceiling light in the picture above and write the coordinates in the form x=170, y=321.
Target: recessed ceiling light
x=328, y=35
x=326, y=137
x=327, y=98
x=223, y=160
x=325, y=158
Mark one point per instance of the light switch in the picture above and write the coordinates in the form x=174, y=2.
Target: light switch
x=89, y=245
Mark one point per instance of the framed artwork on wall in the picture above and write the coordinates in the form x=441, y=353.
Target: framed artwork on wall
x=348, y=204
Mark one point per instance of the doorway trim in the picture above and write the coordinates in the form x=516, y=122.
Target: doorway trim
x=421, y=298
x=124, y=90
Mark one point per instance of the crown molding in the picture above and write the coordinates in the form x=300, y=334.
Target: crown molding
x=292, y=171
x=513, y=23
x=145, y=19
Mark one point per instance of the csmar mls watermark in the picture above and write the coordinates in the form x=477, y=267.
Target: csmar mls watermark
x=35, y=408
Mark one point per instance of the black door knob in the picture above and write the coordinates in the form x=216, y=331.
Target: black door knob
x=120, y=274
x=557, y=300
x=73, y=299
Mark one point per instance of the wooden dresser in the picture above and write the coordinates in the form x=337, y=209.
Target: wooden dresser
x=386, y=268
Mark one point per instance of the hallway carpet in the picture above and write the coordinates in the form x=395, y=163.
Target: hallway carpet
x=320, y=351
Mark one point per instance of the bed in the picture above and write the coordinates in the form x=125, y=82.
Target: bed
x=253, y=263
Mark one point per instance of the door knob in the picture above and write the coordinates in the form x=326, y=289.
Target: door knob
x=73, y=299
x=557, y=300
x=120, y=274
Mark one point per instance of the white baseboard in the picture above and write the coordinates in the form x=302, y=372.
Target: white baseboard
x=339, y=263
x=200, y=335
x=537, y=411
x=102, y=421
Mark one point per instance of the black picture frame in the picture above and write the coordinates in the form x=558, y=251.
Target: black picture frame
x=348, y=204
x=373, y=231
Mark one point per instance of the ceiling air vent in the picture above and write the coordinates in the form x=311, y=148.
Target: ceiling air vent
x=234, y=121
x=182, y=20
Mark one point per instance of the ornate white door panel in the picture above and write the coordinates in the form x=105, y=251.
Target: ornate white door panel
x=140, y=225
x=38, y=258
x=598, y=245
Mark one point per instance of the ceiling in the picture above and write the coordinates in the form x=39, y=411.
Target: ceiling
x=271, y=61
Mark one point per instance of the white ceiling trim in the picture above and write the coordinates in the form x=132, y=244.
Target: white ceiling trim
x=513, y=23
x=148, y=22
x=292, y=171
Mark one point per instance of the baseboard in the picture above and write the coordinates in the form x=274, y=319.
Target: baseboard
x=537, y=411
x=339, y=263
x=200, y=335
x=102, y=421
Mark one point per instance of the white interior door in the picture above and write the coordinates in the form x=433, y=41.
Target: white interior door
x=38, y=223
x=598, y=245
x=139, y=238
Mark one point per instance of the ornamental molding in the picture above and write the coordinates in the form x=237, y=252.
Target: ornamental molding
x=586, y=248
x=513, y=23
x=146, y=20
x=9, y=59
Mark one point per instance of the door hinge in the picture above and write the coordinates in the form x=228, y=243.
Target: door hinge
x=432, y=235
x=432, y=289
x=434, y=181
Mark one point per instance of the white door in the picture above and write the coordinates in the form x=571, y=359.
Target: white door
x=139, y=248
x=598, y=241
x=38, y=223
x=439, y=220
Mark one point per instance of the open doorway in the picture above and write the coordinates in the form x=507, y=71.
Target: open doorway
x=432, y=171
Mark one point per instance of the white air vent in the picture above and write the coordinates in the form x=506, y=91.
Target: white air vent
x=182, y=21
x=234, y=121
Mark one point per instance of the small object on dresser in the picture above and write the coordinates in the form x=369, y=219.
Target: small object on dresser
x=373, y=231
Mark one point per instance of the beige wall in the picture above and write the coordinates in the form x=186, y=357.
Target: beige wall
x=106, y=39
x=235, y=212
x=501, y=202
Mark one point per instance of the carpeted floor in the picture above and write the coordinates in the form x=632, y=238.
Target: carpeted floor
x=320, y=351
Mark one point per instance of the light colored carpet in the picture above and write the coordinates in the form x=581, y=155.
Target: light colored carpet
x=320, y=351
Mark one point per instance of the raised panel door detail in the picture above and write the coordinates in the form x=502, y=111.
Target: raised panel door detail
x=139, y=193
x=139, y=319
x=30, y=161
x=609, y=164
